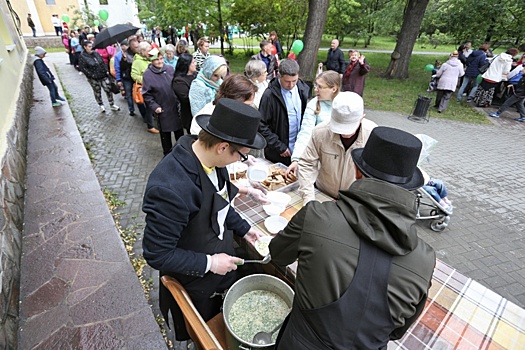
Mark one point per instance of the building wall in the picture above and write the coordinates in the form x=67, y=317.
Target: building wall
x=16, y=76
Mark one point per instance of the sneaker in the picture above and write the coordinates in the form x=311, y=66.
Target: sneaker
x=56, y=104
x=61, y=98
x=115, y=108
x=79, y=73
x=102, y=109
x=469, y=100
x=494, y=115
x=132, y=113
x=522, y=119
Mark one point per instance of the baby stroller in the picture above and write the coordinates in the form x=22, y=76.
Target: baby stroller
x=427, y=207
x=430, y=209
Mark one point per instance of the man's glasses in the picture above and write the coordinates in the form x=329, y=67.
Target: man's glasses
x=244, y=157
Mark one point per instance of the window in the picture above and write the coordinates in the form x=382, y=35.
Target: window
x=103, y=2
x=50, y=2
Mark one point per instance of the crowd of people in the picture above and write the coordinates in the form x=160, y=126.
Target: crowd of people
x=482, y=77
x=217, y=118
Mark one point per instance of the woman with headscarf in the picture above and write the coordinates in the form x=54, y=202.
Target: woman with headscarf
x=96, y=71
x=205, y=86
x=235, y=86
x=185, y=73
x=161, y=100
x=255, y=70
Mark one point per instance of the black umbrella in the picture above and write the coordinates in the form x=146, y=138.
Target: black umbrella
x=114, y=34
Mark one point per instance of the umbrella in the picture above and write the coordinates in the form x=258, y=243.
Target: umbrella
x=114, y=34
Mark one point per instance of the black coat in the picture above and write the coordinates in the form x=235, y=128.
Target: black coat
x=274, y=125
x=157, y=92
x=43, y=72
x=92, y=65
x=335, y=60
x=181, y=87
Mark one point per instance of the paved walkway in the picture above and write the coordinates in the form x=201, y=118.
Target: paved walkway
x=78, y=288
x=482, y=165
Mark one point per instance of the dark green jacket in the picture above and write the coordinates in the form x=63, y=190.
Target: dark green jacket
x=324, y=237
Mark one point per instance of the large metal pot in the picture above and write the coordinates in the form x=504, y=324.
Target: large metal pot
x=243, y=286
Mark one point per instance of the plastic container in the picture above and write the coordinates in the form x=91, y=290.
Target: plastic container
x=275, y=223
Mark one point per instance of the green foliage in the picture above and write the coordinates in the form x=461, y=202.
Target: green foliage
x=499, y=22
x=258, y=18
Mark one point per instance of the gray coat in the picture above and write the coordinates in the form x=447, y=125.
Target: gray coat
x=449, y=73
x=324, y=238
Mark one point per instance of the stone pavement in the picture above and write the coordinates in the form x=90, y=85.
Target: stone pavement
x=78, y=288
x=482, y=166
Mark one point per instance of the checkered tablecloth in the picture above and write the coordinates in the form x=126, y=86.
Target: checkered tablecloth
x=460, y=313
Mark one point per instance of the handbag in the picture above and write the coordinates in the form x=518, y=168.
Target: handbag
x=137, y=93
x=486, y=66
x=114, y=86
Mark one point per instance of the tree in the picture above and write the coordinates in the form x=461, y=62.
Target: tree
x=317, y=11
x=400, y=58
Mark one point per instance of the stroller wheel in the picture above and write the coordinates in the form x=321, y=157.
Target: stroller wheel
x=439, y=225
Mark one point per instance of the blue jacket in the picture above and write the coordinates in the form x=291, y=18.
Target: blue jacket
x=43, y=72
x=475, y=60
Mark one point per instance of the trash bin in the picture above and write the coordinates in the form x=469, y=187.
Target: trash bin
x=420, y=112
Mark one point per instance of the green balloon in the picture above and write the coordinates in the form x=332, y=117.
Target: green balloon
x=297, y=46
x=479, y=78
x=429, y=67
x=65, y=18
x=103, y=14
x=96, y=22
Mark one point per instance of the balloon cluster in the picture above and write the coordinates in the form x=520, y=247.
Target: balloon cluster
x=65, y=18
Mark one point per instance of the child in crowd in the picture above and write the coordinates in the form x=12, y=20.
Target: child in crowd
x=46, y=77
x=436, y=188
x=432, y=86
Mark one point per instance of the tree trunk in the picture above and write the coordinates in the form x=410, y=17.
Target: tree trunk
x=317, y=12
x=219, y=10
x=400, y=58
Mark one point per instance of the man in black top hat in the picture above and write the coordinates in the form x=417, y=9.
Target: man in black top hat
x=363, y=273
x=190, y=222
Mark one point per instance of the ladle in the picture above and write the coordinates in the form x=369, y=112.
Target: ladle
x=265, y=260
x=263, y=338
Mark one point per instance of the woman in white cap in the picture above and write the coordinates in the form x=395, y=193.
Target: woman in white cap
x=326, y=161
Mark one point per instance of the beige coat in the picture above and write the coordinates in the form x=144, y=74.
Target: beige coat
x=325, y=162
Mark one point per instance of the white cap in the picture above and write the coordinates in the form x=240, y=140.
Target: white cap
x=39, y=50
x=347, y=111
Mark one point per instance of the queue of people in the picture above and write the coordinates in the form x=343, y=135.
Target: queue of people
x=216, y=119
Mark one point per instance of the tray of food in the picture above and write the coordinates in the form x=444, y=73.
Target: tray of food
x=277, y=180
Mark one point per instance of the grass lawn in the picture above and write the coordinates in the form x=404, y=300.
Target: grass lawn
x=394, y=95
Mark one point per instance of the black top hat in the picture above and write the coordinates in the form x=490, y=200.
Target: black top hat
x=234, y=122
x=391, y=155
